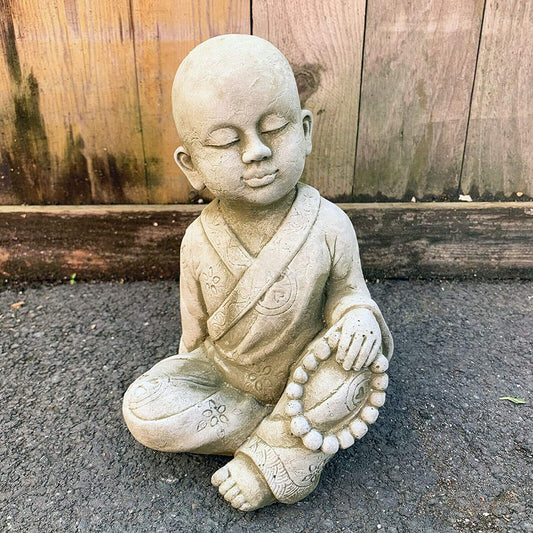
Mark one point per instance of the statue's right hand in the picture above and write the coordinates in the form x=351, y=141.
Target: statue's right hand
x=357, y=339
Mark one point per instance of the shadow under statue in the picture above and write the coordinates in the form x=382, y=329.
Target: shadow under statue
x=284, y=354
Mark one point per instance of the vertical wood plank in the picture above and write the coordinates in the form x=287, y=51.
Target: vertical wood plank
x=499, y=150
x=75, y=131
x=418, y=72
x=323, y=42
x=10, y=76
x=165, y=31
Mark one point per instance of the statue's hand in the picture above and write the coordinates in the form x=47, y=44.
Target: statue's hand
x=357, y=337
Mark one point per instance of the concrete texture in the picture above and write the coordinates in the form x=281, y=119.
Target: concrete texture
x=445, y=455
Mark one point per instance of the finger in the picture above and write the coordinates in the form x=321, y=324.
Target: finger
x=364, y=352
x=355, y=346
x=374, y=352
x=344, y=344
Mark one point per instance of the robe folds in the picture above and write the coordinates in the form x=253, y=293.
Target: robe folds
x=258, y=314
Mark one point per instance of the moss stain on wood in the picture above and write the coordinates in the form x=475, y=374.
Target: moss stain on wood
x=74, y=184
x=85, y=113
x=69, y=129
x=25, y=163
x=142, y=242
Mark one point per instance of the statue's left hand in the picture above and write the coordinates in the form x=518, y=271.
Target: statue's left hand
x=357, y=337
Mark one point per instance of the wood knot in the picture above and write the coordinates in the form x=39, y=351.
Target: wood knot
x=307, y=80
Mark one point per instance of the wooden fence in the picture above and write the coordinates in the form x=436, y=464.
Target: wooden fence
x=424, y=99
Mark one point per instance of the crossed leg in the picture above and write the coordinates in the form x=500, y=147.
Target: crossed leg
x=182, y=404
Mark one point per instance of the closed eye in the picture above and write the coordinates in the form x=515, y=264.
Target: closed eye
x=226, y=145
x=275, y=130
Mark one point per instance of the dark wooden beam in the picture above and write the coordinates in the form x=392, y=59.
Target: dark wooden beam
x=423, y=240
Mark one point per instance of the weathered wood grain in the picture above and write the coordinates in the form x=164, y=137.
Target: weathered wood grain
x=73, y=129
x=435, y=240
x=165, y=32
x=445, y=239
x=10, y=77
x=100, y=242
x=323, y=42
x=417, y=80
x=85, y=95
x=499, y=150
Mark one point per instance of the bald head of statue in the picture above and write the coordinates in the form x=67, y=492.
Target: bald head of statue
x=237, y=111
x=228, y=67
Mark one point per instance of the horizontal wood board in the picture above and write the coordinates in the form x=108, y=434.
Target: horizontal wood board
x=437, y=240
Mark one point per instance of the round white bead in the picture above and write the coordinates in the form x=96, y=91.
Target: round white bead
x=377, y=398
x=380, y=382
x=313, y=440
x=322, y=350
x=369, y=414
x=330, y=445
x=294, y=391
x=300, y=375
x=358, y=428
x=294, y=407
x=380, y=365
x=345, y=438
x=309, y=362
x=300, y=426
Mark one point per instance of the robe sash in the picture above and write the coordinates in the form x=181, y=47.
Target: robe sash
x=256, y=276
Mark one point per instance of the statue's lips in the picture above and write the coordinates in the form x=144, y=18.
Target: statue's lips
x=261, y=181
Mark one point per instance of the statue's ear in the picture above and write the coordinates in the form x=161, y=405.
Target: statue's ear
x=184, y=161
x=307, y=124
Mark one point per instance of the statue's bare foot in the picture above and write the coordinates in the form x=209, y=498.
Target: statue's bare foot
x=242, y=485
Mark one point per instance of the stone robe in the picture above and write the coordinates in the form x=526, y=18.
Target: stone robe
x=261, y=312
x=246, y=321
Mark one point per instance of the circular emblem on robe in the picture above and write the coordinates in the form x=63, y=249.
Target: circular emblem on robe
x=280, y=296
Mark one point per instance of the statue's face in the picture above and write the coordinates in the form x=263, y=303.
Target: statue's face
x=248, y=138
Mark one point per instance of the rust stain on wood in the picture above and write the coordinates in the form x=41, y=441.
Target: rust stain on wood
x=78, y=260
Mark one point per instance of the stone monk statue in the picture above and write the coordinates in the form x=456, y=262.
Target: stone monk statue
x=283, y=355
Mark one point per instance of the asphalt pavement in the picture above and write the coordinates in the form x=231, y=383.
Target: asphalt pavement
x=447, y=453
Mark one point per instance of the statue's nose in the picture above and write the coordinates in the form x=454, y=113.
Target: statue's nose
x=255, y=150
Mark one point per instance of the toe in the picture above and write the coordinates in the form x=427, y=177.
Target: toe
x=226, y=485
x=220, y=476
x=232, y=493
x=238, y=501
x=246, y=507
